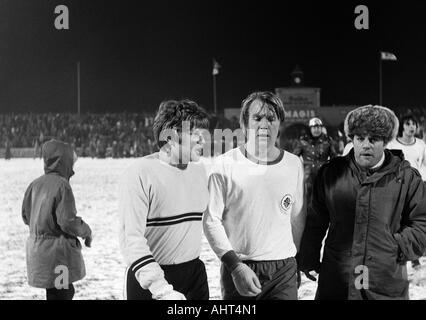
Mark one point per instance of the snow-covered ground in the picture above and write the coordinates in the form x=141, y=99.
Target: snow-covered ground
x=95, y=189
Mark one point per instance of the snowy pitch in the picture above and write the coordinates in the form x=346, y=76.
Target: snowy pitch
x=95, y=191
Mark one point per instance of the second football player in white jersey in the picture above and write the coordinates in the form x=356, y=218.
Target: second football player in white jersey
x=256, y=215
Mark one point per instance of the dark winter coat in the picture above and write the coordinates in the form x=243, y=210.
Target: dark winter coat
x=49, y=210
x=377, y=220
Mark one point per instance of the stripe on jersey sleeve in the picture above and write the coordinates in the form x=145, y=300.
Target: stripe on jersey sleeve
x=167, y=221
x=141, y=263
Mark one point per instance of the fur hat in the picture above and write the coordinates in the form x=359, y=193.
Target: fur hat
x=374, y=121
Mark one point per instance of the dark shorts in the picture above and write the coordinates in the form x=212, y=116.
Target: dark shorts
x=278, y=279
x=189, y=278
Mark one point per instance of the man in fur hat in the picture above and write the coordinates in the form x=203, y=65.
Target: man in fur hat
x=373, y=204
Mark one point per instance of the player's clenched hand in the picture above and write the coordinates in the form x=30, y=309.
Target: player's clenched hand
x=246, y=281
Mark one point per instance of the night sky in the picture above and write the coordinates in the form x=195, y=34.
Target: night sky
x=134, y=55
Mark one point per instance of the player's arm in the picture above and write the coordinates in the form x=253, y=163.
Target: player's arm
x=298, y=214
x=133, y=209
x=213, y=216
x=244, y=278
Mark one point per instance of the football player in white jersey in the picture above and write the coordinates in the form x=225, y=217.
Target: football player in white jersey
x=256, y=215
x=162, y=198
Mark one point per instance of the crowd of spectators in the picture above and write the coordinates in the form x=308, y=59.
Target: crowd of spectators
x=125, y=134
x=95, y=135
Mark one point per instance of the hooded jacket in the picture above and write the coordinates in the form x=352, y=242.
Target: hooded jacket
x=376, y=222
x=49, y=210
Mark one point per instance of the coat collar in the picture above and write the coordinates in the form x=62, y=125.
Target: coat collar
x=394, y=163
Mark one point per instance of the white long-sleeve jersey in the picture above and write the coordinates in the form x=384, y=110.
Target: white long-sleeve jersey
x=253, y=207
x=160, y=209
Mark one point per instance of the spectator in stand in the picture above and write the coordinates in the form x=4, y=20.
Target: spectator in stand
x=100, y=149
x=8, y=153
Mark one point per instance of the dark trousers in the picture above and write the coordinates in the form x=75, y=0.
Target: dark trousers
x=278, y=279
x=189, y=278
x=60, y=294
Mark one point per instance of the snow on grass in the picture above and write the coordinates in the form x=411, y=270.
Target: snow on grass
x=95, y=191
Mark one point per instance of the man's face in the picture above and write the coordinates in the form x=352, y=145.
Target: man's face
x=368, y=151
x=190, y=147
x=316, y=131
x=197, y=142
x=409, y=128
x=263, y=124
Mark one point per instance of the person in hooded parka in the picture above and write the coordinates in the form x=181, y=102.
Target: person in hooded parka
x=53, y=250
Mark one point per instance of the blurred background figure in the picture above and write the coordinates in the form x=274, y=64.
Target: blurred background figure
x=315, y=148
x=8, y=152
x=414, y=149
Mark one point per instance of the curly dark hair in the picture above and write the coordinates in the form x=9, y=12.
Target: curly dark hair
x=172, y=113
